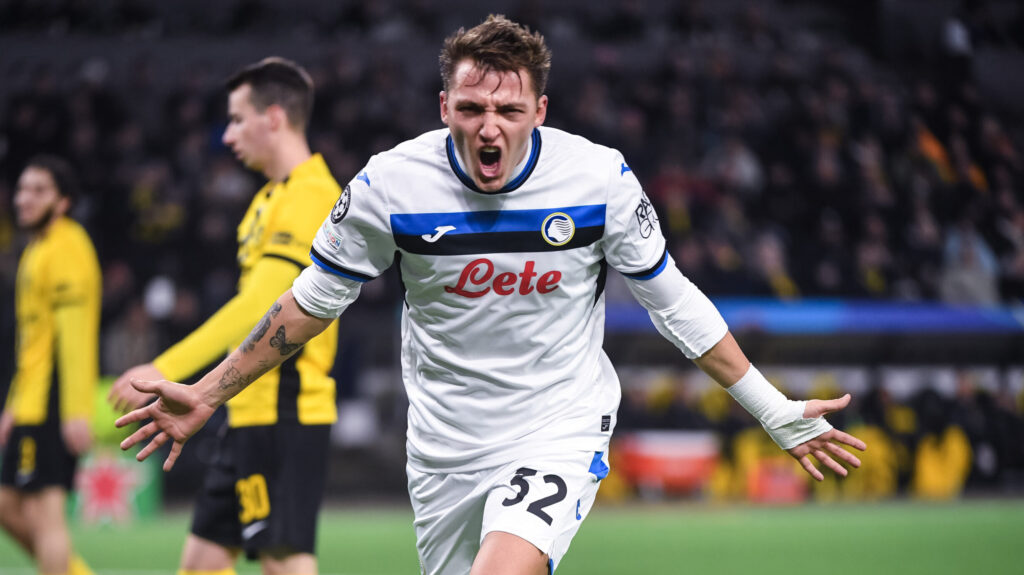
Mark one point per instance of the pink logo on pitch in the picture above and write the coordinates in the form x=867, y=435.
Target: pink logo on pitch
x=478, y=278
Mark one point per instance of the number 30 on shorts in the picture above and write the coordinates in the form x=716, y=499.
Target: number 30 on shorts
x=252, y=498
x=27, y=462
x=537, y=507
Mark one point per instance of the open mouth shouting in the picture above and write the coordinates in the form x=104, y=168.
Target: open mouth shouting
x=490, y=162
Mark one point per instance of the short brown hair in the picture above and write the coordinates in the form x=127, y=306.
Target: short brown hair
x=278, y=81
x=501, y=45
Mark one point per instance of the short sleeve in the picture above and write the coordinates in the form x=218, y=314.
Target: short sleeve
x=296, y=222
x=355, y=241
x=633, y=243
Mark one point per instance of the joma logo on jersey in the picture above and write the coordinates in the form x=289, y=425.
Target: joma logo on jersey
x=478, y=278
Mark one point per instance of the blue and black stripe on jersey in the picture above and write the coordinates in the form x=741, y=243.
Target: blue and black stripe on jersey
x=493, y=232
x=652, y=271
x=333, y=268
x=512, y=184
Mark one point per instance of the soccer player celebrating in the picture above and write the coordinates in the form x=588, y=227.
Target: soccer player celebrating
x=506, y=230
x=44, y=427
x=262, y=492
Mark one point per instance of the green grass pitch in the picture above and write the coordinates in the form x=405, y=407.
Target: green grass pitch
x=974, y=537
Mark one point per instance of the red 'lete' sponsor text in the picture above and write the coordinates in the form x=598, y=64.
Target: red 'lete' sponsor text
x=476, y=280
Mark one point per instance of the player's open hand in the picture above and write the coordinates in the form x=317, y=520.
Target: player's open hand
x=826, y=445
x=176, y=415
x=123, y=397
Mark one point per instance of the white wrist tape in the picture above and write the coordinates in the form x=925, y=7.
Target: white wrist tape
x=781, y=417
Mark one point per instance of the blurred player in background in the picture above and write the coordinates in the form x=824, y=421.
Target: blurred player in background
x=45, y=426
x=262, y=492
x=506, y=230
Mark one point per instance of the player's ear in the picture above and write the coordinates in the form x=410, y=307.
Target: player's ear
x=542, y=111
x=443, y=96
x=63, y=206
x=277, y=116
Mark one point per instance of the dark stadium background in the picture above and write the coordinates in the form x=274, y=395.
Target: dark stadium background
x=845, y=179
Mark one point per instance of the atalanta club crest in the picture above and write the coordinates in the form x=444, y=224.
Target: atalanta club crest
x=558, y=229
x=341, y=208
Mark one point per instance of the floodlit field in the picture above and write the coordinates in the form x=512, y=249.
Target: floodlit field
x=978, y=537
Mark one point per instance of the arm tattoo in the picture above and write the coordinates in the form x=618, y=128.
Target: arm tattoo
x=232, y=377
x=280, y=342
x=261, y=329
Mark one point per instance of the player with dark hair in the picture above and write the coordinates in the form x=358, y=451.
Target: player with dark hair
x=45, y=426
x=506, y=230
x=262, y=492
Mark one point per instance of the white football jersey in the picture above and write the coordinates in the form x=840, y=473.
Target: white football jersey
x=503, y=320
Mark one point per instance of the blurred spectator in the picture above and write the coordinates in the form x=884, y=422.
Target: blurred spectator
x=772, y=276
x=970, y=268
x=129, y=340
x=943, y=457
x=734, y=167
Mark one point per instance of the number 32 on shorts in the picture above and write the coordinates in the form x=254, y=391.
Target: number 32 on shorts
x=537, y=507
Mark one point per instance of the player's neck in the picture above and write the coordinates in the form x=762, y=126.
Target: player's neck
x=291, y=152
x=39, y=231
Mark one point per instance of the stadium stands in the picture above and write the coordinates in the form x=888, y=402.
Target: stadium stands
x=795, y=150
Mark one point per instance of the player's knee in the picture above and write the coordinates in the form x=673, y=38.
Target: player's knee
x=287, y=561
x=204, y=557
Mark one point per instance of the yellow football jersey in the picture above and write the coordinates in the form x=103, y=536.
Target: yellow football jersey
x=274, y=239
x=57, y=305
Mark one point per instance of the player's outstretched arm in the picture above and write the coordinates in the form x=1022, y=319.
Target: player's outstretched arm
x=180, y=411
x=796, y=426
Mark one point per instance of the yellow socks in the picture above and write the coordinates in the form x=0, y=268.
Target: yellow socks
x=78, y=566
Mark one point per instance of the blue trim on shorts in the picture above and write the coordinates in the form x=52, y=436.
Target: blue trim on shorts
x=551, y=566
x=598, y=467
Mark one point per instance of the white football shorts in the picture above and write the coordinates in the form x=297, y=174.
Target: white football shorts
x=543, y=500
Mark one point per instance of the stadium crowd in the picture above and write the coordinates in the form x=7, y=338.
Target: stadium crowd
x=785, y=161
x=925, y=442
